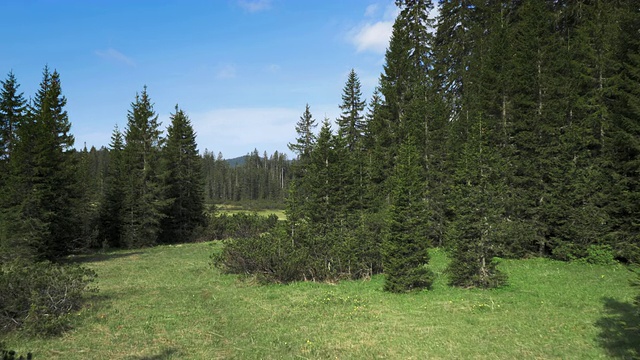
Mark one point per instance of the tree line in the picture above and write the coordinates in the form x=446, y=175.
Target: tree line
x=146, y=189
x=262, y=180
x=504, y=129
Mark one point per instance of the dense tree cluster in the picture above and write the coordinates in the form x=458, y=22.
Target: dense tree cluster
x=503, y=129
x=56, y=200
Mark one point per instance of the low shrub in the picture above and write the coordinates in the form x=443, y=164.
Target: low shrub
x=600, y=255
x=240, y=225
x=312, y=254
x=271, y=257
x=40, y=297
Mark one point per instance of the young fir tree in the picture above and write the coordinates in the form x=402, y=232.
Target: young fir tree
x=144, y=201
x=405, y=247
x=183, y=183
x=111, y=213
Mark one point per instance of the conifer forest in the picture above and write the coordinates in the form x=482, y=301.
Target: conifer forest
x=498, y=130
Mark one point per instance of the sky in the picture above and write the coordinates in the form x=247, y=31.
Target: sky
x=242, y=70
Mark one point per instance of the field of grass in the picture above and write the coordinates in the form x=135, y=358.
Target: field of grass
x=168, y=303
x=233, y=209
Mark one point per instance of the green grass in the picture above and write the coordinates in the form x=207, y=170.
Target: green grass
x=232, y=209
x=168, y=303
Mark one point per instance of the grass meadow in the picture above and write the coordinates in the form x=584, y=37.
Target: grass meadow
x=168, y=302
x=235, y=209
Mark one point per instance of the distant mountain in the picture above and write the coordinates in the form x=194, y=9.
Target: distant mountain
x=237, y=161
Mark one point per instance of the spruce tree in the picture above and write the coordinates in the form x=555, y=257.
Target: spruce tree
x=111, y=213
x=351, y=122
x=349, y=143
x=306, y=137
x=474, y=236
x=44, y=187
x=144, y=201
x=12, y=111
x=405, y=247
x=184, y=184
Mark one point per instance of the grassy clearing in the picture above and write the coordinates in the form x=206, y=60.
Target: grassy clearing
x=168, y=303
x=233, y=209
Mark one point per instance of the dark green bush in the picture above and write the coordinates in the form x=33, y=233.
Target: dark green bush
x=40, y=297
x=240, y=225
x=271, y=257
x=312, y=254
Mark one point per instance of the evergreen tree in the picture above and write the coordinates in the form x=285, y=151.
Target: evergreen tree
x=184, y=185
x=144, y=201
x=351, y=122
x=12, y=111
x=44, y=186
x=306, y=138
x=404, y=248
x=623, y=145
x=349, y=143
x=111, y=214
x=475, y=235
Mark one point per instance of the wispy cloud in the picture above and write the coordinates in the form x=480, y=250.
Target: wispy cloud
x=112, y=54
x=255, y=5
x=371, y=10
x=227, y=71
x=236, y=131
x=374, y=35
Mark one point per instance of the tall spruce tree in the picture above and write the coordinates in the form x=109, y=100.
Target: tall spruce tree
x=184, y=183
x=351, y=122
x=44, y=187
x=405, y=247
x=144, y=201
x=12, y=111
x=623, y=145
x=349, y=143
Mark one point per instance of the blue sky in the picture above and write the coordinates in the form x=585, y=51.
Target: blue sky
x=242, y=70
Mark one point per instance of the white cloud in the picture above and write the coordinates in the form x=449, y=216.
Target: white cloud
x=255, y=5
x=374, y=35
x=237, y=131
x=227, y=71
x=115, y=55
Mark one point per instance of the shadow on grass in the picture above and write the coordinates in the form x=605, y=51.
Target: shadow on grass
x=165, y=354
x=620, y=329
x=97, y=257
